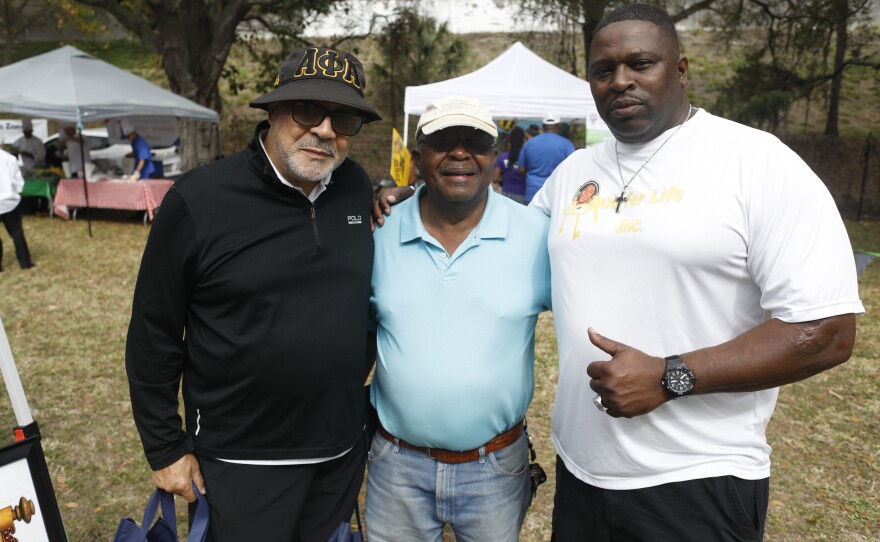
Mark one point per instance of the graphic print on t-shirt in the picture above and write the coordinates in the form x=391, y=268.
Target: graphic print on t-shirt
x=587, y=201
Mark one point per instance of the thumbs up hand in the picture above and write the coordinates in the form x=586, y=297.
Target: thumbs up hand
x=628, y=383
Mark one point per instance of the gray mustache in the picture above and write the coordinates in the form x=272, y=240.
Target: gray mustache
x=317, y=144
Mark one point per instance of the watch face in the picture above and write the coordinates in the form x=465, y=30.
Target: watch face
x=679, y=381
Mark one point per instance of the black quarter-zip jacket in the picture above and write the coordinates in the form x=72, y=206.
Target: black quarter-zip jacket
x=259, y=299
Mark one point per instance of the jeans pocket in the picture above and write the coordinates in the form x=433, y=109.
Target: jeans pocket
x=378, y=448
x=748, y=529
x=512, y=461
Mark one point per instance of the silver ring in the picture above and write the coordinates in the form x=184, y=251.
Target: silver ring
x=597, y=400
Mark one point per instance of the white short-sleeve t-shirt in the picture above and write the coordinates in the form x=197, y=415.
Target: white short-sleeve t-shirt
x=724, y=228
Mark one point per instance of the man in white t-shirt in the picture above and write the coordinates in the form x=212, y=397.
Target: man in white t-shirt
x=75, y=152
x=30, y=148
x=695, y=239
x=11, y=184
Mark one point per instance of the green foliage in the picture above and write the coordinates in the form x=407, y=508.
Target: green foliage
x=758, y=94
x=285, y=23
x=818, y=40
x=414, y=50
x=19, y=17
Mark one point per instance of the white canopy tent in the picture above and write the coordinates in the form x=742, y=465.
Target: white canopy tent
x=72, y=86
x=516, y=84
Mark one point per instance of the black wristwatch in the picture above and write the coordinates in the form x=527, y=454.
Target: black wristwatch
x=678, y=378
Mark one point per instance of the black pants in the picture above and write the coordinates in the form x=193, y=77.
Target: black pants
x=12, y=221
x=722, y=509
x=283, y=503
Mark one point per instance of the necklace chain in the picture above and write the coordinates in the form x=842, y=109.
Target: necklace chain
x=620, y=199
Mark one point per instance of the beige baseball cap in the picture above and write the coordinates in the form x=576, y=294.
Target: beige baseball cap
x=456, y=111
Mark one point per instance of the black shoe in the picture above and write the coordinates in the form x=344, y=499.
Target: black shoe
x=27, y=266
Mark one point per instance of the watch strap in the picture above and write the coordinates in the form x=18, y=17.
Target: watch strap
x=674, y=362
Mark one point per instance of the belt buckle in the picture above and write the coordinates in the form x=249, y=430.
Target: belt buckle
x=430, y=456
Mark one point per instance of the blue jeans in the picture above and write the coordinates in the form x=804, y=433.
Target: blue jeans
x=411, y=497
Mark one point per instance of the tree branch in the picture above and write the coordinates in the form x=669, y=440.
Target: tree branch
x=693, y=8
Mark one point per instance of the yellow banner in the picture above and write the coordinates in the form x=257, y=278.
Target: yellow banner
x=400, y=159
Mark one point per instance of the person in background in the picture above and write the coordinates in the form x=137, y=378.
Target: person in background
x=532, y=131
x=75, y=152
x=452, y=383
x=254, y=291
x=718, y=270
x=542, y=153
x=31, y=150
x=144, y=168
x=11, y=185
x=507, y=173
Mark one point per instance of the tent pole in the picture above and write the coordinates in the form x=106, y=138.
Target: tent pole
x=82, y=159
x=405, y=128
x=586, y=133
x=13, y=382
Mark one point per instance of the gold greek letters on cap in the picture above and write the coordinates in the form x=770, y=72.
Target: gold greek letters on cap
x=307, y=64
x=351, y=75
x=331, y=64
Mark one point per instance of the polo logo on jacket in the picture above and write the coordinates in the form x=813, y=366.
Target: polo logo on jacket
x=354, y=219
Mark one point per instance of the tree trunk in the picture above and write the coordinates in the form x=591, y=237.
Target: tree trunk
x=841, y=16
x=7, y=52
x=593, y=13
x=194, y=40
x=194, y=51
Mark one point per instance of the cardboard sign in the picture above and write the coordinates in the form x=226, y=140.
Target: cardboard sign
x=158, y=131
x=10, y=130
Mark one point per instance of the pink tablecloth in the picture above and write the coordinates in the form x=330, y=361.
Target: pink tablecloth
x=125, y=195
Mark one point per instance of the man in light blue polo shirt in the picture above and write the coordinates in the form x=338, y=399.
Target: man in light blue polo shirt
x=459, y=278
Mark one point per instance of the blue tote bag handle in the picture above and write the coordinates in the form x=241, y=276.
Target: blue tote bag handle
x=199, y=529
x=164, y=530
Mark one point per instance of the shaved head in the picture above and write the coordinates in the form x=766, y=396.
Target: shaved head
x=647, y=13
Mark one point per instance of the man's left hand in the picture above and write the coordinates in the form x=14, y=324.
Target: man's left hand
x=629, y=383
x=388, y=197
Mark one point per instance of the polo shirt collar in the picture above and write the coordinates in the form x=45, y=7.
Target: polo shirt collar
x=493, y=224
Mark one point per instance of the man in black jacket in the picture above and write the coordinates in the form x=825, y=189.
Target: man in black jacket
x=254, y=289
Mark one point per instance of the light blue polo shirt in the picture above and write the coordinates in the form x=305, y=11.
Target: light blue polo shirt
x=456, y=332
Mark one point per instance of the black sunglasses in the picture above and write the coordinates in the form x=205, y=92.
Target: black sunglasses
x=477, y=142
x=311, y=115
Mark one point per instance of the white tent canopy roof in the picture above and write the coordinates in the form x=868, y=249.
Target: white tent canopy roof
x=56, y=83
x=516, y=84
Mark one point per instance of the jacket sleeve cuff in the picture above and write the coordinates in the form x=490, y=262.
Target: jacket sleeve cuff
x=168, y=455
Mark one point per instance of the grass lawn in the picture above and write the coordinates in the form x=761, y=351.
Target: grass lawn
x=66, y=320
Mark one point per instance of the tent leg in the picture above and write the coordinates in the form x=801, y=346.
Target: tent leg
x=13, y=382
x=405, y=128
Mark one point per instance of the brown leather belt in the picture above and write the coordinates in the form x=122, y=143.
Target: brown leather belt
x=500, y=442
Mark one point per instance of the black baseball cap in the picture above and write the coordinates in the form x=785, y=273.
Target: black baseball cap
x=321, y=74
